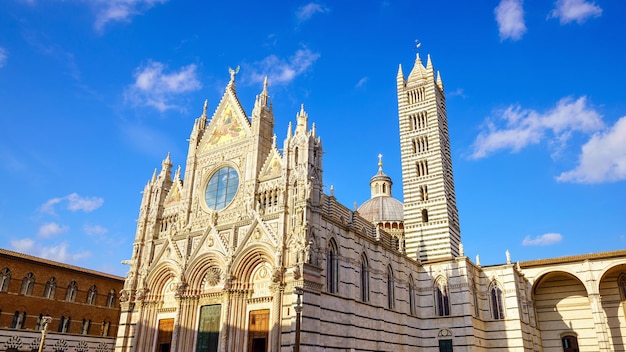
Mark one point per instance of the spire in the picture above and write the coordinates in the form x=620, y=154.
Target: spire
x=166, y=166
x=439, y=81
x=302, y=119
x=265, y=86
x=429, y=63
x=154, y=175
x=206, y=105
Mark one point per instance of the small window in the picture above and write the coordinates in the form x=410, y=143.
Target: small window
x=27, y=284
x=332, y=268
x=70, y=293
x=5, y=279
x=424, y=215
x=442, y=299
x=621, y=282
x=570, y=343
x=365, y=279
x=85, y=327
x=18, y=320
x=105, y=328
x=497, y=308
x=111, y=299
x=91, y=295
x=391, y=299
x=50, y=288
x=412, y=306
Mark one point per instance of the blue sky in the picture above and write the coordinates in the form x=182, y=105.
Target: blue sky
x=95, y=93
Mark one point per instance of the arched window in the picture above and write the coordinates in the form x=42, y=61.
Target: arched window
x=27, y=284
x=476, y=307
x=111, y=299
x=38, y=325
x=50, y=289
x=18, y=320
x=332, y=268
x=105, y=328
x=365, y=279
x=5, y=279
x=91, y=295
x=495, y=295
x=412, y=306
x=64, y=324
x=85, y=327
x=70, y=293
x=391, y=299
x=442, y=298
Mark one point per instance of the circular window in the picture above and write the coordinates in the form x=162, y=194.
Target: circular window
x=221, y=188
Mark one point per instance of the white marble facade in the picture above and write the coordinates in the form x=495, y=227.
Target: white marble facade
x=219, y=252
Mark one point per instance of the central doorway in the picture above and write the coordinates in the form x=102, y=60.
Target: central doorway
x=258, y=330
x=164, y=337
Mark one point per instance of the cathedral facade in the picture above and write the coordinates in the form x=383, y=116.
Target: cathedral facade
x=246, y=252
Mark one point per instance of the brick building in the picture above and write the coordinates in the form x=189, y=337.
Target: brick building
x=80, y=301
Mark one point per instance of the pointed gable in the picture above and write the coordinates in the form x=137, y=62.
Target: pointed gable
x=229, y=122
x=273, y=167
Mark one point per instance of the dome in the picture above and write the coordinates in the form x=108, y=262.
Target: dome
x=382, y=208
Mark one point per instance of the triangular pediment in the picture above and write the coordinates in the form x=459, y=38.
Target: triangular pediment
x=273, y=166
x=229, y=122
x=175, y=193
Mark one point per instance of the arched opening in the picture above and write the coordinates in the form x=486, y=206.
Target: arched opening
x=365, y=279
x=332, y=268
x=442, y=298
x=612, y=289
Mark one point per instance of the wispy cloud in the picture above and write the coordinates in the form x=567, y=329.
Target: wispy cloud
x=51, y=229
x=510, y=19
x=575, y=10
x=603, y=157
x=282, y=71
x=516, y=128
x=307, y=11
x=3, y=57
x=108, y=11
x=74, y=203
x=157, y=88
x=361, y=82
x=57, y=252
x=93, y=230
x=543, y=240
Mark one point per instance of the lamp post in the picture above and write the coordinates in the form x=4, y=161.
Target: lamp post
x=298, y=308
x=44, y=322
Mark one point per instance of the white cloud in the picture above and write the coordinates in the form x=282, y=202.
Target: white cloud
x=361, y=82
x=108, y=11
x=280, y=71
x=58, y=252
x=517, y=128
x=3, y=57
x=543, y=240
x=74, y=203
x=156, y=88
x=510, y=18
x=307, y=11
x=92, y=230
x=51, y=229
x=603, y=157
x=575, y=10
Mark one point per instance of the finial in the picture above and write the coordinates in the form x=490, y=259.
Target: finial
x=265, y=85
x=332, y=190
x=302, y=110
x=380, y=161
x=274, y=141
x=461, y=250
x=477, y=260
x=233, y=73
x=508, y=257
x=206, y=105
x=355, y=207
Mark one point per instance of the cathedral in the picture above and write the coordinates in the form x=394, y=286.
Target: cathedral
x=247, y=252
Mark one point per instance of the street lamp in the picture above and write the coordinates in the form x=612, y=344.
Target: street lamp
x=44, y=323
x=298, y=308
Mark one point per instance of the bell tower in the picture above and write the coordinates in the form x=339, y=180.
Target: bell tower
x=431, y=220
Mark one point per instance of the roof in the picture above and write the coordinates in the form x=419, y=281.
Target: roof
x=31, y=258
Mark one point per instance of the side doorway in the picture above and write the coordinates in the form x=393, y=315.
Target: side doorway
x=258, y=330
